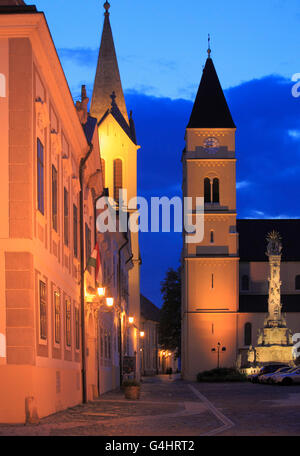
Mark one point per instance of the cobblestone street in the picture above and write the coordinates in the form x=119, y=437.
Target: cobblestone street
x=172, y=407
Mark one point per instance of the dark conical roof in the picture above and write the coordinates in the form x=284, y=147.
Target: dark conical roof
x=107, y=78
x=210, y=109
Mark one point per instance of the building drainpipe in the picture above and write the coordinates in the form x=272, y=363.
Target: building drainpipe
x=120, y=321
x=82, y=269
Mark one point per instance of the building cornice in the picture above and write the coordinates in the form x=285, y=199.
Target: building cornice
x=35, y=28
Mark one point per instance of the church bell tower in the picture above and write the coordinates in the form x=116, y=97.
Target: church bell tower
x=210, y=268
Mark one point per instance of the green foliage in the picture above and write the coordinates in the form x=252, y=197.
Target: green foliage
x=130, y=383
x=223, y=374
x=170, y=321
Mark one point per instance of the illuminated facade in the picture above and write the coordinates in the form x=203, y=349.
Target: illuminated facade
x=225, y=277
x=60, y=342
x=42, y=143
x=119, y=165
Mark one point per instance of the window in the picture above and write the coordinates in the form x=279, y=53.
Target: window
x=245, y=283
x=212, y=280
x=103, y=170
x=54, y=198
x=212, y=238
x=88, y=243
x=68, y=322
x=248, y=334
x=118, y=178
x=66, y=217
x=43, y=311
x=77, y=329
x=40, y=176
x=56, y=317
x=207, y=197
x=216, y=196
x=211, y=190
x=297, y=282
x=75, y=230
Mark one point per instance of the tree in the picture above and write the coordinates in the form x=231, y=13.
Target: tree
x=170, y=320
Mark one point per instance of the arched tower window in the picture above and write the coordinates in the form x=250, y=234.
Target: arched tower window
x=248, y=334
x=245, y=282
x=118, y=178
x=207, y=192
x=216, y=196
x=103, y=170
x=297, y=282
x=212, y=237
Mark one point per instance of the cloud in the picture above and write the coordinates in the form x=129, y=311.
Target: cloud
x=268, y=159
x=81, y=56
x=242, y=184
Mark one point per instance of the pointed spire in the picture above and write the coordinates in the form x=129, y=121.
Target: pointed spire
x=208, y=50
x=107, y=78
x=210, y=109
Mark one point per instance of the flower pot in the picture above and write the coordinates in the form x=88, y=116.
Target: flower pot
x=132, y=392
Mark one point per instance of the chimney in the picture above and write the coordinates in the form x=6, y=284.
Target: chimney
x=81, y=106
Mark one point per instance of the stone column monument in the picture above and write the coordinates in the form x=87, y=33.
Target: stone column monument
x=274, y=342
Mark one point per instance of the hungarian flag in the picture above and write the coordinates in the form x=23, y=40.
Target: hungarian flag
x=95, y=262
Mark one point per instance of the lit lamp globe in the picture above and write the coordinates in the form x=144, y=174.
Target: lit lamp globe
x=101, y=292
x=142, y=333
x=109, y=302
x=131, y=320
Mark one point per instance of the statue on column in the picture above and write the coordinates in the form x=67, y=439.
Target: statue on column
x=274, y=342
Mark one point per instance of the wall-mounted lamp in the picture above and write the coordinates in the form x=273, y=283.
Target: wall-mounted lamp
x=142, y=334
x=130, y=320
x=109, y=302
x=101, y=292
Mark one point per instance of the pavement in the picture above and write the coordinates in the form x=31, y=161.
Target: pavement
x=173, y=407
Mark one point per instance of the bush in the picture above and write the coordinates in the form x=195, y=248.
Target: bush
x=130, y=383
x=223, y=374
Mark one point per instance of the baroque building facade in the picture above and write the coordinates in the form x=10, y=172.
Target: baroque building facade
x=61, y=340
x=225, y=276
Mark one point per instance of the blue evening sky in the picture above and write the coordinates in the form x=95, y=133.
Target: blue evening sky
x=161, y=48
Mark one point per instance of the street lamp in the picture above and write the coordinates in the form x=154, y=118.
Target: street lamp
x=101, y=292
x=109, y=302
x=130, y=320
x=218, y=349
x=142, y=333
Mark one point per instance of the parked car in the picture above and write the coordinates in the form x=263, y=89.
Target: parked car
x=267, y=378
x=267, y=369
x=288, y=378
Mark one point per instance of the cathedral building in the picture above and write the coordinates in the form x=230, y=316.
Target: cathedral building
x=225, y=277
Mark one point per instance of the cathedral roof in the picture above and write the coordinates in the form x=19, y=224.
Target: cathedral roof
x=210, y=109
x=107, y=78
x=252, y=238
x=149, y=310
x=89, y=128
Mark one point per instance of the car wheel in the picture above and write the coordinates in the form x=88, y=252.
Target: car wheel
x=287, y=381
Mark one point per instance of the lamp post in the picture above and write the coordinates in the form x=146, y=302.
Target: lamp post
x=218, y=349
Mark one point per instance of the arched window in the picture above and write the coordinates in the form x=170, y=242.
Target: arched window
x=212, y=237
x=118, y=178
x=245, y=283
x=216, y=196
x=103, y=170
x=248, y=334
x=207, y=193
x=297, y=282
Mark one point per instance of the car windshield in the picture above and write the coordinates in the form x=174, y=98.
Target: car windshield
x=283, y=369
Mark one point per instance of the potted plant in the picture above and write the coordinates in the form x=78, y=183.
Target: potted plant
x=132, y=389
